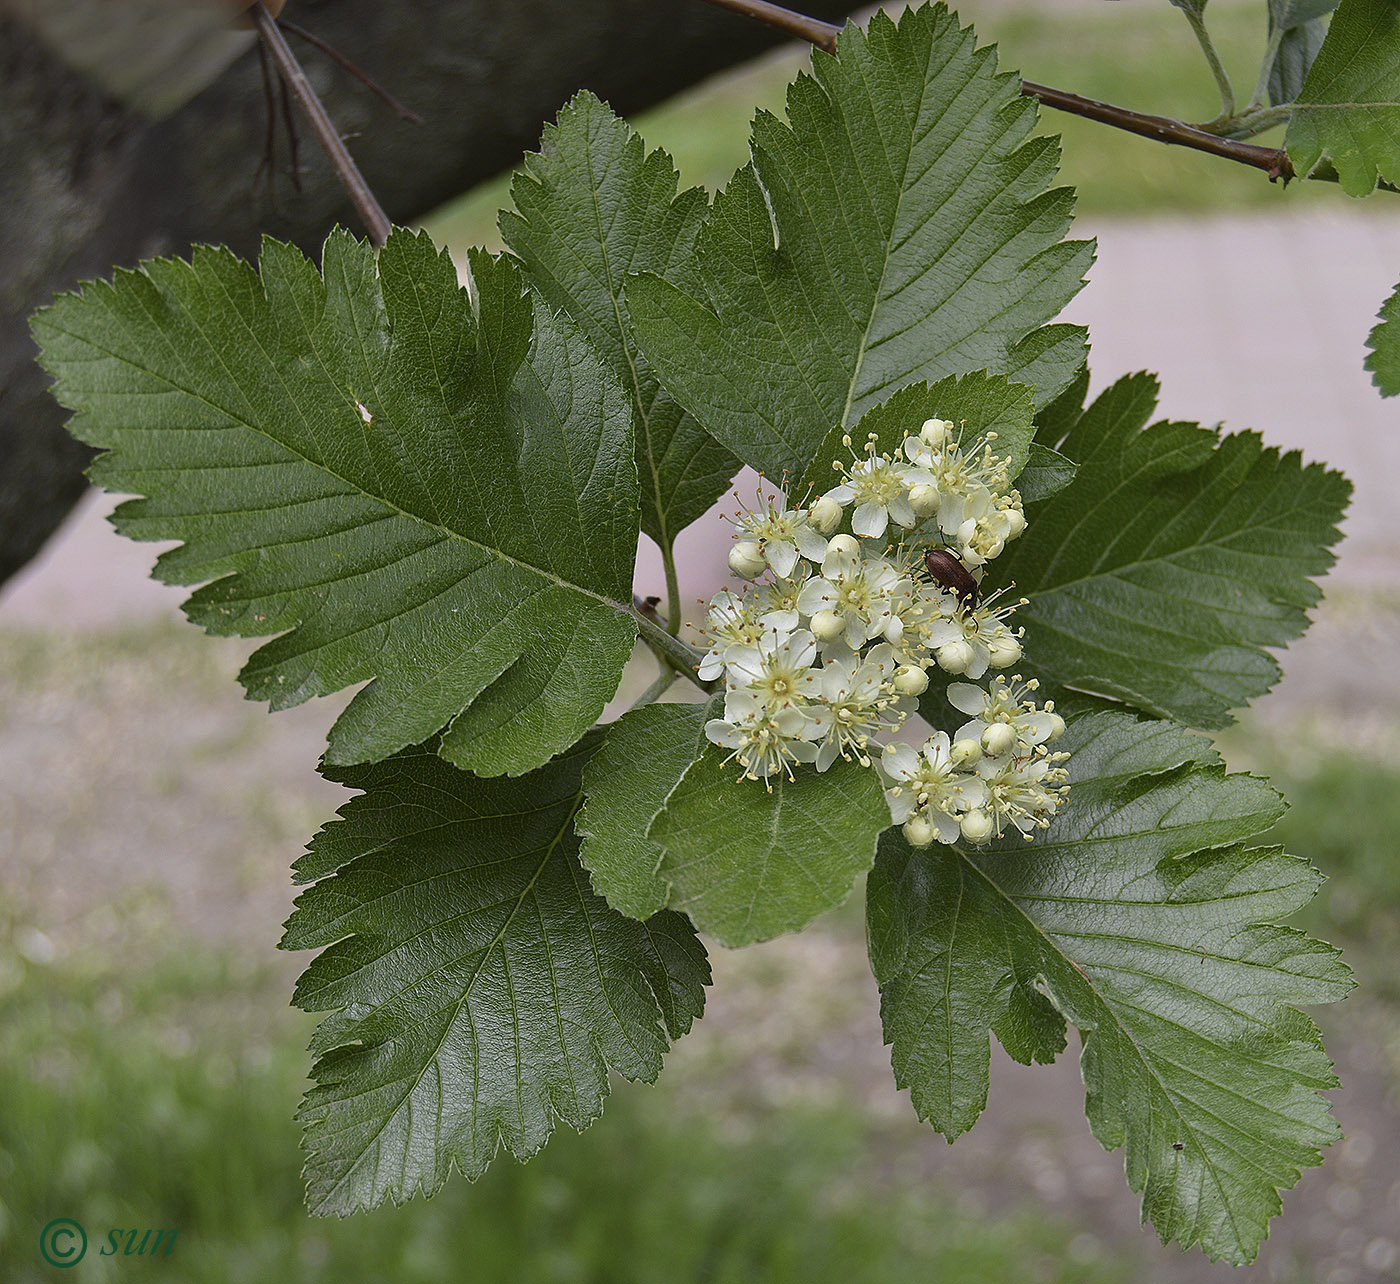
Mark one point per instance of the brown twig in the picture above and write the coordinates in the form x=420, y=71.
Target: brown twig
x=364, y=78
x=375, y=220
x=1273, y=161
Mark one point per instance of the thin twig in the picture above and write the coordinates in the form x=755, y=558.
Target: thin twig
x=375, y=220
x=822, y=34
x=1273, y=161
x=363, y=77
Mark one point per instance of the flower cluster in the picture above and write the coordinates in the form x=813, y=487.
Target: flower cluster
x=833, y=644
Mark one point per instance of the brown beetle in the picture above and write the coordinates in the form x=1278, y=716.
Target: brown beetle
x=948, y=571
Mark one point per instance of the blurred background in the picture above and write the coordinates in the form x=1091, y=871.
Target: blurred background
x=150, y=1065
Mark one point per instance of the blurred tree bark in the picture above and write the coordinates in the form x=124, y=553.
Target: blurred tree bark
x=90, y=178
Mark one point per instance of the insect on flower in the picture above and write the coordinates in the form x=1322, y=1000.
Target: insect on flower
x=948, y=571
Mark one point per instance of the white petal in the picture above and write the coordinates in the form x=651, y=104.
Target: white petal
x=810, y=543
x=966, y=698
x=870, y=519
x=782, y=557
x=816, y=595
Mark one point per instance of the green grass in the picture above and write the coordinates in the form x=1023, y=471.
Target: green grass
x=161, y=1096
x=1136, y=55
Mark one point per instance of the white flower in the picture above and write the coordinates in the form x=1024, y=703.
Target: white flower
x=730, y=625
x=924, y=783
x=975, y=640
x=776, y=604
x=778, y=671
x=879, y=487
x=1024, y=792
x=780, y=534
x=1005, y=704
x=858, y=590
x=763, y=740
x=856, y=703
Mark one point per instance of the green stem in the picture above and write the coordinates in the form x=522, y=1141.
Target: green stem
x=657, y=689
x=681, y=655
x=673, y=591
x=1261, y=86
x=1217, y=68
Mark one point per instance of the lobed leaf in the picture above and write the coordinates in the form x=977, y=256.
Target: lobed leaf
x=1348, y=110
x=479, y=990
x=1160, y=574
x=747, y=865
x=899, y=229
x=1145, y=919
x=1383, y=361
x=594, y=207
x=625, y=784
x=437, y=500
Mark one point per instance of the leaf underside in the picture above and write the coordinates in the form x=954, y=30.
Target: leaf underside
x=1160, y=574
x=437, y=500
x=480, y=990
x=1145, y=919
x=593, y=207
x=1348, y=110
x=897, y=230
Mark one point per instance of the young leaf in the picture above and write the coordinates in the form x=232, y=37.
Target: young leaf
x=747, y=865
x=479, y=990
x=625, y=784
x=977, y=403
x=897, y=230
x=1349, y=107
x=1160, y=574
x=1143, y=918
x=434, y=500
x=1303, y=27
x=1383, y=361
x=593, y=206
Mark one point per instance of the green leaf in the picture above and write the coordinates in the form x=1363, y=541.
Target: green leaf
x=1349, y=107
x=747, y=865
x=625, y=784
x=480, y=990
x=434, y=500
x=1384, y=341
x=1160, y=574
x=1304, y=29
x=898, y=230
x=1047, y=472
x=593, y=206
x=979, y=403
x=1144, y=918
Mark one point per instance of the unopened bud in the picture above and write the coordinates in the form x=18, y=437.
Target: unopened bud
x=999, y=739
x=976, y=826
x=923, y=499
x=746, y=559
x=909, y=681
x=1003, y=653
x=954, y=657
x=825, y=515
x=1057, y=728
x=918, y=831
x=827, y=626
x=965, y=753
x=935, y=432
x=843, y=545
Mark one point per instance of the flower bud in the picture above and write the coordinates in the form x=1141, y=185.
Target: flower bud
x=923, y=499
x=954, y=657
x=976, y=826
x=965, y=753
x=999, y=740
x=1003, y=653
x=746, y=559
x=1015, y=522
x=825, y=515
x=827, y=626
x=1057, y=728
x=843, y=546
x=909, y=681
x=918, y=831
x=935, y=433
